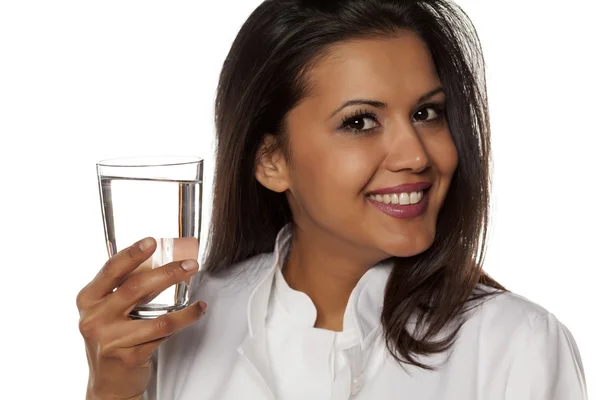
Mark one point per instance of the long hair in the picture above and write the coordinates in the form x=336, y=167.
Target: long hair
x=265, y=75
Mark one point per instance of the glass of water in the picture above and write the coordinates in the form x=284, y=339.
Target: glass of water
x=159, y=197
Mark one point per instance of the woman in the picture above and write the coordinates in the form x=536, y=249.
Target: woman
x=348, y=230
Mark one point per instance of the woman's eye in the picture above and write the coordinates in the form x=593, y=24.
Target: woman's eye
x=360, y=123
x=427, y=114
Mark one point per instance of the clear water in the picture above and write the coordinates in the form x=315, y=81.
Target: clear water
x=170, y=212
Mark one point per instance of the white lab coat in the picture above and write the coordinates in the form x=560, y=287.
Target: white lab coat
x=509, y=349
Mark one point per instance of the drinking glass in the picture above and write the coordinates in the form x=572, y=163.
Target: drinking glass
x=159, y=197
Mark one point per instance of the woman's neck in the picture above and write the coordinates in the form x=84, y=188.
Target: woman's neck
x=327, y=271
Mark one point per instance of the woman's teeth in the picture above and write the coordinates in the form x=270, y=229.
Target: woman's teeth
x=403, y=199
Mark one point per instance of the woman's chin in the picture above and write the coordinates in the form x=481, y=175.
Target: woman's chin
x=407, y=246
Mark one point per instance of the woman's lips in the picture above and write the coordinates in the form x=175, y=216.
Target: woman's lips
x=403, y=211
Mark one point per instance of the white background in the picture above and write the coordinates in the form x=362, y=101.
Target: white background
x=82, y=81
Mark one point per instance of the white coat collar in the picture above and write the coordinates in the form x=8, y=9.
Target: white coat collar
x=365, y=303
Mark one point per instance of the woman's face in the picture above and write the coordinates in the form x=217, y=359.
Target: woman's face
x=373, y=123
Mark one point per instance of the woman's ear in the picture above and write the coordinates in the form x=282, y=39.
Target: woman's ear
x=271, y=167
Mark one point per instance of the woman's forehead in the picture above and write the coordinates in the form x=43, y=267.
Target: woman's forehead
x=374, y=67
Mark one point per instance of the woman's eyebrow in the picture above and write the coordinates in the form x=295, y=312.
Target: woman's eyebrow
x=379, y=104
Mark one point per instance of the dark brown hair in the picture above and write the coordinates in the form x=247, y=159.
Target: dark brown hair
x=264, y=77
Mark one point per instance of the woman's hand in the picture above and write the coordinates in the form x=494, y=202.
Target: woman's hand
x=119, y=349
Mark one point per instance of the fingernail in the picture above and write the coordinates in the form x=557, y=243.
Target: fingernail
x=189, y=265
x=146, y=244
x=202, y=306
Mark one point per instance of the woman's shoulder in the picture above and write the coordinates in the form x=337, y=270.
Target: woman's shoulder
x=518, y=335
x=507, y=308
x=512, y=317
x=235, y=281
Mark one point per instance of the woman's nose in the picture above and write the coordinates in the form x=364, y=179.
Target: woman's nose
x=405, y=149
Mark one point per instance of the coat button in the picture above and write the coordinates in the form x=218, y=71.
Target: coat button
x=357, y=383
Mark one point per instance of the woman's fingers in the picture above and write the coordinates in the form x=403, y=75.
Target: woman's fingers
x=142, y=285
x=114, y=272
x=145, y=332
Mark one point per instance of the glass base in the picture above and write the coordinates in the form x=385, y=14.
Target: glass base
x=153, y=311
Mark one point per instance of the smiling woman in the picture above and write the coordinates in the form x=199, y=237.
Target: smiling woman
x=351, y=201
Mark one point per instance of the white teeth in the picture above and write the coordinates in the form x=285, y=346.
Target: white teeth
x=404, y=199
x=399, y=198
x=414, y=197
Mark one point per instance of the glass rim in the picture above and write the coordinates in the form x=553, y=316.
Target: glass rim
x=149, y=161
